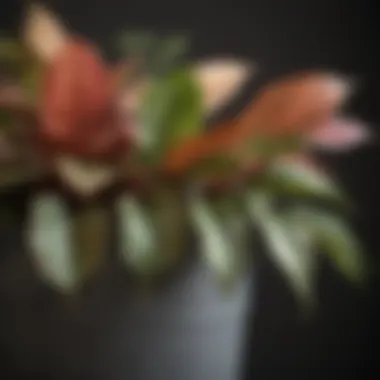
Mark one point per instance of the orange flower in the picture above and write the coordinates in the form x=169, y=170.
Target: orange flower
x=78, y=111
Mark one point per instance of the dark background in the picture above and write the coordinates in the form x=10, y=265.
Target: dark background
x=282, y=37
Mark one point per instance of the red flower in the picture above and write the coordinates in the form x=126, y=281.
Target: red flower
x=78, y=111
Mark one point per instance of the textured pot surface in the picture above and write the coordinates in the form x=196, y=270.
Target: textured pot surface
x=188, y=330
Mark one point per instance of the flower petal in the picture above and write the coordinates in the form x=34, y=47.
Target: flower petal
x=340, y=135
x=44, y=34
x=220, y=80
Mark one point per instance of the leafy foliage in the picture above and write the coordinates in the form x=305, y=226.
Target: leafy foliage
x=171, y=112
x=156, y=56
x=66, y=250
x=252, y=149
x=152, y=233
x=221, y=227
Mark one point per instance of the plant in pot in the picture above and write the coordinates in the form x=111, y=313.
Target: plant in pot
x=132, y=143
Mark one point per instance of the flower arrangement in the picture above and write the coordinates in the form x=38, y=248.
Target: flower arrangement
x=80, y=129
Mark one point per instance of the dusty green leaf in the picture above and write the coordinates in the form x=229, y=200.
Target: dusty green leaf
x=66, y=251
x=296, y=179
x=138, y=236
x=290, y=245
x=222, y=232
x=152, y=235
x=50, y=238
x=339, y=242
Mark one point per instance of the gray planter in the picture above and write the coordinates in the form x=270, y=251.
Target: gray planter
x=188, y=330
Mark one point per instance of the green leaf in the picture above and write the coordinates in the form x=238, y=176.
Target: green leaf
x=168, y=54
x=171, y=112
x=222, y=231
x=50, y=238
x=296, y=179
x=339, y=243
x=152, y=235
x=136, y=44
x=66, y=251
x=138, y=236
x=90, y=229
x=290, y=245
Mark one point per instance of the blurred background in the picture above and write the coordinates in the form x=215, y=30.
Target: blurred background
x=282, y=37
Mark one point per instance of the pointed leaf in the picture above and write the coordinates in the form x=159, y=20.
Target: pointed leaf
x=136, y=44
x=298, y=178
x=152, y=235
x=90, y=231
x=289, y=245
x=220, y=81
x=168, y=53
x=171, y=112
x=138, y=236
x=50, y=237
x=339, y=135
x=340, y=244
x=222, y=232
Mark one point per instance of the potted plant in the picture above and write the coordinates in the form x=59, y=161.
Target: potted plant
x=124, y=154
